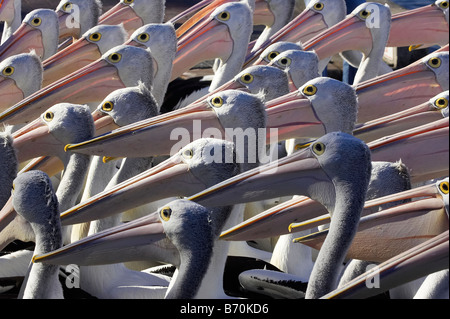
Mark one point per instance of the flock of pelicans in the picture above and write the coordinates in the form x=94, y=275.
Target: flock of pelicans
x=350, y=202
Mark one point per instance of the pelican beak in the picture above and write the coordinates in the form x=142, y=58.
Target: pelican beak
x=35, y=140
x=275, y=221
x=168, y=179
x=391, y=124
x=91, y=83
x=302, y=28
x=72, y=58
x=392, y=231
x=206, y=40
x=419, y=261
x=49, y=165
x=122, y=13
x=113, y=241
x=67, y=29
x=7, y=215
x=425, y=26
x=293, y=116
x=24, y=39
x=10, y=93
x=291, y=175
x=351, y=33
x=424, y=150
x=408, y=87
x=164, y=132
x=103, y=122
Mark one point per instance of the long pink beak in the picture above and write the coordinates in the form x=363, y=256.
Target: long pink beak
x=423, y=26
x=69, y=60
x=122, y=13
x=404, y=88
x=23, y=40
x=419, y=261
x=88, y=84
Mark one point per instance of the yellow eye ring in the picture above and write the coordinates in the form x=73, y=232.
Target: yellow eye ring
x=319, y=6
x=115, y=57
x=36, y=22
x=309, y=90
x=364, y=14
x=8, y=71
x=217, y=101
x=108, y=106
x=444, y=187
x=441, y=103
x=247, y=78
x=284, y=62
x=48, y=116
x=224, y=16
x=67, y=7
x=143, y=37
x=128, y=1
x=272, y=55
x=165, y=213
x=95, y=36
x=443, y=4
x=318, y=148
x=188, y=153
x=435, y=62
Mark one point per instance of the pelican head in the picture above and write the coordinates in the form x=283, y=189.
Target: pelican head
x=273, y=50
x=90, y=47
x=75, y=17
x=38, y=31
x=119, y=67
x=21, y=75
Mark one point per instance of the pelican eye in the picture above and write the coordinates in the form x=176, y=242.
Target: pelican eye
x=444, y=187
x=67, y=7
x=318, y=148
x=217, y=101
x=36, y=22
x=364, y=14
x=247, y=78
x=95, y=36
x=443, y=4
x=107, y=106
x=165, y=213
x=285, y=62
x=309, y=90
x=319, y=6
x=435, y=62
x=48, y=116
x=143, y=37
x=441, y=103
x=128, y=1
x=9, y=70
x=224, y=16
x=115, y=57
x=272, y=55
x=188, y=153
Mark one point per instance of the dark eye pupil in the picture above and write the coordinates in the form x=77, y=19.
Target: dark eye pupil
x=8, y=70
x=224, y=15
x=216, y=100
x=441, y=102
x=434, y=61
x=143, y=37
x=247, y=78
x=445, y=187
x=36, y=21
x=114, y=57
x=95, y=36
x=318, y=147
x=284, y=61
x=309, y=89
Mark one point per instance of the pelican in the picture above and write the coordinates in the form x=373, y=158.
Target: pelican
x=357, y=32
x=318, y=16
x=89, y=48
x=162, y=42
x=134, y=14
x=76, y=17
x=9, y=169
x=21, y=75
x=38, y=31
x=273, y=50
x=61, y=123
x=11, y=14
x=224, y=34
x=35, y=200
x=119, y=67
